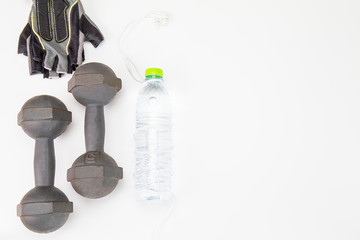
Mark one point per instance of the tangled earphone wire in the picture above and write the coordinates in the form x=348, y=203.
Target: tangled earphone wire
x=160, y=19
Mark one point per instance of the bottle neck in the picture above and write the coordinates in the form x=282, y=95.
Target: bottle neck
x=154, y=77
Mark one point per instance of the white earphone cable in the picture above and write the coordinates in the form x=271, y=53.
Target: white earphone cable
x=167, y=216
x=159, y=19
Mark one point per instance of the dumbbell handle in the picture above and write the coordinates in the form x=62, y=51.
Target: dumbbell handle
x=44, y=162
x=94, y=128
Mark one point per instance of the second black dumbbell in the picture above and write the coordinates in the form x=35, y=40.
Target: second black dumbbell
x=94, y=174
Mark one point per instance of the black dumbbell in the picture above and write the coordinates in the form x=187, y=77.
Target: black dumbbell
x=94, y=174
x=45, y=208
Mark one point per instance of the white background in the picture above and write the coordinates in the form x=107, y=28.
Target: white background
x=266, y=101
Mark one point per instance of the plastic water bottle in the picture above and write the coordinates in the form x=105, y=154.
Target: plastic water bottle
x=153, y=139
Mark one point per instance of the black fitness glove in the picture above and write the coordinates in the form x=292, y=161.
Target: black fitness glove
x=54, y=36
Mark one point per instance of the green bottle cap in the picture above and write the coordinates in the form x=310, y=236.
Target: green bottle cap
x=154, y=73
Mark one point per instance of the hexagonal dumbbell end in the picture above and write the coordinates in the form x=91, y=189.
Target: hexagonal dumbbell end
x=44, y=208
x=94, y=174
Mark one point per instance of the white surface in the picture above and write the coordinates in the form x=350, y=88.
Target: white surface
x=266, y=98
